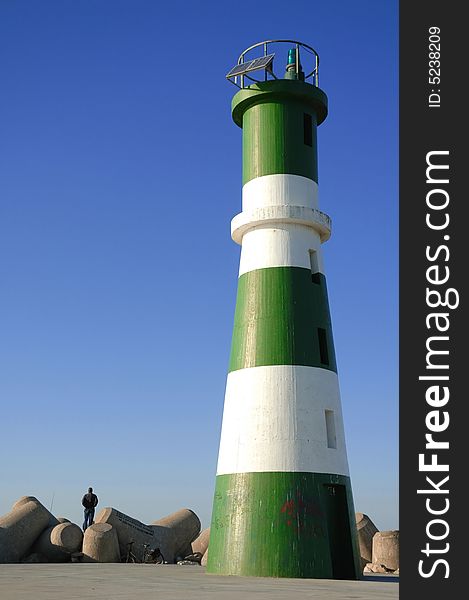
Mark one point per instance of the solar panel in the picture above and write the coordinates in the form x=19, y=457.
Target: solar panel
x=263, y=62
x=239, y=69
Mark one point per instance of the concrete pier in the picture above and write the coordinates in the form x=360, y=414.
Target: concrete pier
x=172, y=582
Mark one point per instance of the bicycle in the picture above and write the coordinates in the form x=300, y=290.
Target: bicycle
x=154, y=556
x=146, y=552
x=130, y=556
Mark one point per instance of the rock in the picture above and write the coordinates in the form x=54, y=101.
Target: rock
x=100, y=544
x=23, y=500
x=200, y=544
x=375, y=568
x=386, y=549
x=379, y=568
x=57, y=543
x=172, y=534
x=179, y=530
x=366, y=529
x=21, y=527
x=128, y=530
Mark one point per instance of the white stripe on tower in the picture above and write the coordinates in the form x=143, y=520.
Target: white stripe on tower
x=280, y=244
x=280, y=189
x=282, y=418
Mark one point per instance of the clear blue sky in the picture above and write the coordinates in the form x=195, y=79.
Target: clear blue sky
x=120, y=170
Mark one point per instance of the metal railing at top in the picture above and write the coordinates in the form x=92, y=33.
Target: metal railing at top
x=312, y=75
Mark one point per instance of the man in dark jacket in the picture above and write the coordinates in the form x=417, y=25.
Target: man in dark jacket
x=89, y=501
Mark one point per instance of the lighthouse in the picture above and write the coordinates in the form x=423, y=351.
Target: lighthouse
x=283, y=503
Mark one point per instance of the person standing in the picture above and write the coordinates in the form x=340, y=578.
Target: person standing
x=90, y=502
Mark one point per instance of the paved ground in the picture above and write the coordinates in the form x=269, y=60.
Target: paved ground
x=174, y=582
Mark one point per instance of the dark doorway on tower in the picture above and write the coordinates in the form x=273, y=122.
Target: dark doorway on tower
x=338, y=527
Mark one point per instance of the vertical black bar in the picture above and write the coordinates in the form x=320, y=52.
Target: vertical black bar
x=433, y=258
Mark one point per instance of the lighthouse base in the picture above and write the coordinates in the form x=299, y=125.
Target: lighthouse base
x=277, y=524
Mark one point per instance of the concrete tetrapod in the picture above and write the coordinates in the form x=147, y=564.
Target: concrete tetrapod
x=172, y=534
x=100, y=544
x=20, y=528
x=57, y=543
x=204, y=560
x=178, y=530
x=200, y=544
x=366, y=529
x=386, y=549
x=128, y=530
x=22, y=501
x=25, y=499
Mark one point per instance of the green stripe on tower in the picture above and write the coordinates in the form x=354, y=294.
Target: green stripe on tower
x=274, y=115
x=283, y=525
x=282, y=318
x=273, y=141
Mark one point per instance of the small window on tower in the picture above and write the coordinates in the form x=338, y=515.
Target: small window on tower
x=308, y=129
x=323, y=352
x=313, y=260
x=330, y=429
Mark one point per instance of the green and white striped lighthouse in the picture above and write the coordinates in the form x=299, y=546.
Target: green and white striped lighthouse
x=283, y=503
